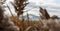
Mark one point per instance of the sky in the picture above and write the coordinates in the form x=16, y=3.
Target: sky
x=52, y=6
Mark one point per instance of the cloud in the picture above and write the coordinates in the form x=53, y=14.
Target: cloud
x=52, y=6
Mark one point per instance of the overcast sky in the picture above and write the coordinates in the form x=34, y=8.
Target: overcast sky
x=52, y=6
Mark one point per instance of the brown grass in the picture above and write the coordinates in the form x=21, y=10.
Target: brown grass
x=46, y=25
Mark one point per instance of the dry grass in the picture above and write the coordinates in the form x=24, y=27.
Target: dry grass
x=14, y=24
x=43, y=25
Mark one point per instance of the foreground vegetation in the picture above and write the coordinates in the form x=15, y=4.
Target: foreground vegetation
x=13, y=23
x=41, y=25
